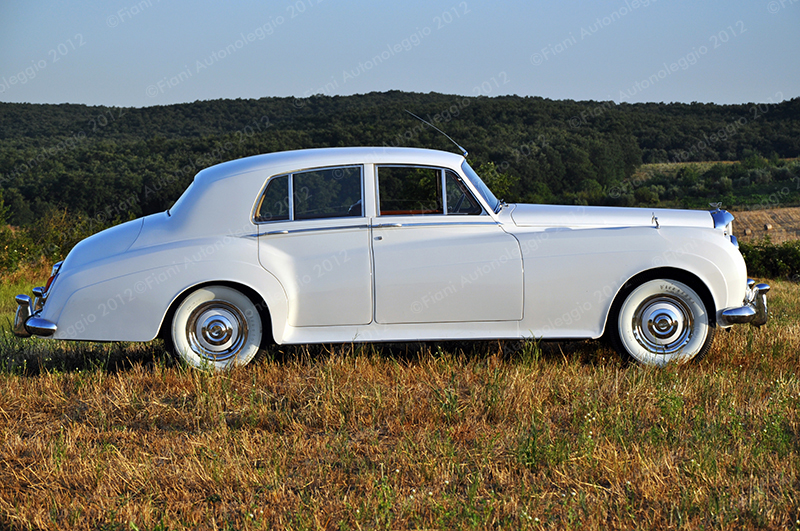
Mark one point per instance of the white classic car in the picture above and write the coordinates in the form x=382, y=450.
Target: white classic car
x=392, y=244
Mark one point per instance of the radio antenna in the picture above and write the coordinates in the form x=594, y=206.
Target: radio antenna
x=461, y=149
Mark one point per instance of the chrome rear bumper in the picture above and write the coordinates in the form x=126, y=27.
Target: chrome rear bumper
x=27, y=321
x=753, y=311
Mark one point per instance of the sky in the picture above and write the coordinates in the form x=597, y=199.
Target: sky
x=143, y=53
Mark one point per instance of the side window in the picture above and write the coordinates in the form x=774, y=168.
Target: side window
x=459, y=198
x=407, y=190
x=326, y=193
x=274, y=204
x=331, y=193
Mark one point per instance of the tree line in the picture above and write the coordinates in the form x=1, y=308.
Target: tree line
x=111, y=163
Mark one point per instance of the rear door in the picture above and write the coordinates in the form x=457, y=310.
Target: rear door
x=314, y=237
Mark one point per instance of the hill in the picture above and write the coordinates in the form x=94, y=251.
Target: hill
x=122, y=162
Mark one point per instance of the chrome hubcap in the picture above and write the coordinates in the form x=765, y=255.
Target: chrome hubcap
x=663, y=324
x=216, y=330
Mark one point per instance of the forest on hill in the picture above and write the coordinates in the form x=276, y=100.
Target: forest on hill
x=110, y=163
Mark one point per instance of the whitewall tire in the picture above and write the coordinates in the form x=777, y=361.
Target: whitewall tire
x=216, y=327
x=662, y=321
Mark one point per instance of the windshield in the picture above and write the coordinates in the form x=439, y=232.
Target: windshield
x=483, y=190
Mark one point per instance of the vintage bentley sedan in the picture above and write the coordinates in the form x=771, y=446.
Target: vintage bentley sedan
x=393, y=244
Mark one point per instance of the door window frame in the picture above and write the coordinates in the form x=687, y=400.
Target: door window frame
x=442, y=190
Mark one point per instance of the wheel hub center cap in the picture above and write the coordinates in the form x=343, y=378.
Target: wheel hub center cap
x=663, y=323
x=217, y=330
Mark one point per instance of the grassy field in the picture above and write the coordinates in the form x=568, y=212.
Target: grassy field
x=784, y=224
x=450, y=436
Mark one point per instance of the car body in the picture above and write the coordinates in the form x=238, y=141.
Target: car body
x=392, y=244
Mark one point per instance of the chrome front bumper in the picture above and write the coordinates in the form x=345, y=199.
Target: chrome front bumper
x=754, y=309
x=27, y=321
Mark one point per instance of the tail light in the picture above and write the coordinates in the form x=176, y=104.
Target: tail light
x=53, y=275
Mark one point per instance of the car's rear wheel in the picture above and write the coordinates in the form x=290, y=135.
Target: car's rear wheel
x=662, y=321
x=216, y=327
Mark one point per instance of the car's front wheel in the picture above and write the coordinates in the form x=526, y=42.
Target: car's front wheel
x=662, y=321
x=216, y=327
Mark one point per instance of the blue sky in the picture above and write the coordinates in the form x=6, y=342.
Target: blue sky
x=158, y=52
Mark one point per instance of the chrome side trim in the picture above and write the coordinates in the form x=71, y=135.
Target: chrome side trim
x=435, y=223
x=316, y=229
x=291, y=196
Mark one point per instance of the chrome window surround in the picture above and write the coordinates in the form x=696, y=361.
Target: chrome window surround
x=290, y=176
x=443, y=190
x=486, y=194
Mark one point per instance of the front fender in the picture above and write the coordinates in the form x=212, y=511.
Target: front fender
x=573, y=276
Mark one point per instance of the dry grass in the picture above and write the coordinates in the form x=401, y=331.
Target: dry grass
x=451, y=436
x=750, y=225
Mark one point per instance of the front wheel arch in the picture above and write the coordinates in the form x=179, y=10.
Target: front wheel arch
x=612, y=326
x=681, y=275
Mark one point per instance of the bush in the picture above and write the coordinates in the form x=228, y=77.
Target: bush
x=15, y=245
x=766, y=259
x=58, y=231
x=50, y=238
x=15, y=248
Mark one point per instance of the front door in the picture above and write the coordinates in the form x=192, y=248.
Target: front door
x=439, y=257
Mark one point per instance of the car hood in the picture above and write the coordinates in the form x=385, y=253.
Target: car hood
x=104, y=244
x=592, y=217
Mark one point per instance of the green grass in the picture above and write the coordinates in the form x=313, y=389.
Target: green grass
x=7, y=293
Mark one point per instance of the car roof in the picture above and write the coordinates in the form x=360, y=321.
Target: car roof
x=286, y=161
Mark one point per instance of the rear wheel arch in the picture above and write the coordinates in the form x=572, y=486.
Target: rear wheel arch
x=252, y=294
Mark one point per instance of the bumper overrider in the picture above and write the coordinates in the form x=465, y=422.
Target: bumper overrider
x=26, y=320
x=754, y=309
